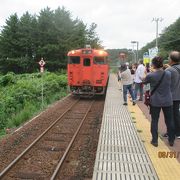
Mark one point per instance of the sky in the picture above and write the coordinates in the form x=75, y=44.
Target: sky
x=118, y=21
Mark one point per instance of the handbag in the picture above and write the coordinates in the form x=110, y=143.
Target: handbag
x=148, y=94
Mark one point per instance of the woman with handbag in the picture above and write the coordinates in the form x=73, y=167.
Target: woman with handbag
x=161, y=98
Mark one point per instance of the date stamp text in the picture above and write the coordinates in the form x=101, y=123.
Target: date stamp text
x=168, y=154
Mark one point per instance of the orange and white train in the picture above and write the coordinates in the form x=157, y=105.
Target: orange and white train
x=87, y=71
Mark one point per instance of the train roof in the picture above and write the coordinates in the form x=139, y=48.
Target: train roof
x=87, y=51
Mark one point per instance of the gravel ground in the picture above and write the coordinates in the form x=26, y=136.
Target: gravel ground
x=13, y=144
x=79, y=163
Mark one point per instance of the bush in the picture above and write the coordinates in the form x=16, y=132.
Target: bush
x=21, y=95
x=19, y=118
x=8, y=79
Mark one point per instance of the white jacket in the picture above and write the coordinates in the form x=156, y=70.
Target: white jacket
x=140, y=73
x=126, y=77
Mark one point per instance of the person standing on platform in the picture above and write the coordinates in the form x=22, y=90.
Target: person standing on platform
x=160, y=80
x=139, y=75
x=174, y=62
x=132, y=71
x=127, y=83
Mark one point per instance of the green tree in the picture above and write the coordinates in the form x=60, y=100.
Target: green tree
x=92, y=37
x=169, y=40
x=27, y=35
x=45, y=31
x=77, y=39
x=50, y=35
x=9, y=39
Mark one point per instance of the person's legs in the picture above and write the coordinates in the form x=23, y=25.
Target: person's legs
x=125, y=94
x=154, y=122
x=133, y=89
x=168, y=116
x=136, y=89
x=176, y=117
x=141, y=91
x=131, y=93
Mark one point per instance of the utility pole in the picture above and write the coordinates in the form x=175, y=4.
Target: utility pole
x=137, y=51
x=137, y=46
x=157, y=23
x=133, y=55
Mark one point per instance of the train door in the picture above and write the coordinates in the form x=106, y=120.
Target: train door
x=100, y=70
x=87, y=71
x=74, y=70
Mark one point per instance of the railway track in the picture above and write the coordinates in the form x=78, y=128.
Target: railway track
x=45, y=156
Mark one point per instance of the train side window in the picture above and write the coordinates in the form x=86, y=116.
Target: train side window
x=99, y=60
x=87, y=62
x=74, y=60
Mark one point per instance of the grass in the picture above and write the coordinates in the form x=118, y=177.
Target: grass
x=21, y=97
x=31, y=109
x=26, y=113
x=2, y=133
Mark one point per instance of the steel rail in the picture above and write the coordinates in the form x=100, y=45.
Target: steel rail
x=70, y=144
x=33, y=143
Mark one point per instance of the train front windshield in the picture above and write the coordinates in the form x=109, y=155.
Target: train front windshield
x=100, y=60
x=74, y=59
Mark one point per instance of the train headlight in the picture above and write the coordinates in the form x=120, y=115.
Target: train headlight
x=73, y=52
x=101, y=52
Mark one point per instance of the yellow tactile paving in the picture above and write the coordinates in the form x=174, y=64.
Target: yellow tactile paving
x=167, y=168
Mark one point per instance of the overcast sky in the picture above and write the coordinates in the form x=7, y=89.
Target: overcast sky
x=119, y=21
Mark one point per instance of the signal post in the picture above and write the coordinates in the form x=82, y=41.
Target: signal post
x=42, y=63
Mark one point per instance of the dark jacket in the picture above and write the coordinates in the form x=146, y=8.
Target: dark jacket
x=162, y=96
x=175, y=81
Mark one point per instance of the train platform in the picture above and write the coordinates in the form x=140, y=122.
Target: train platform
x=124, y=149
